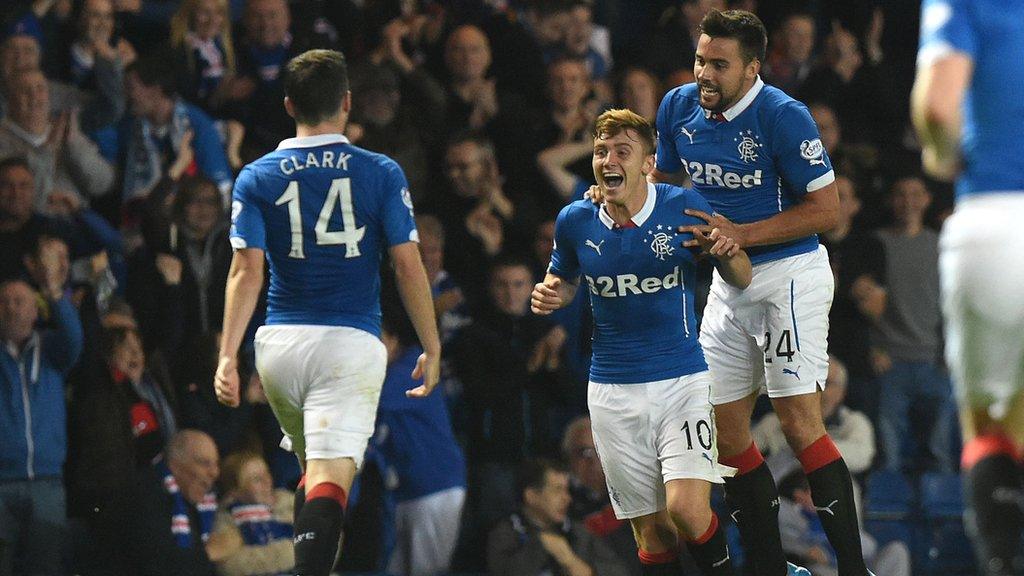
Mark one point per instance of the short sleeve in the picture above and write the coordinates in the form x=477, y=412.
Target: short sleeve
x=397, y=215
x=667, y=157
x=248, y=229
x=799, y=154
x=564, y=262
x=946, y=27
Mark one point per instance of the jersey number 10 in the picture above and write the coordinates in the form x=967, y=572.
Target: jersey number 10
x=349, y=235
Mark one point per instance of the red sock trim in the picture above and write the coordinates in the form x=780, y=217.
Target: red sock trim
x=820, y=453
x=657, y=557
x=302, y=483
x=328, y=490
x=703, y=538
x=982, y=447
x=745, y=461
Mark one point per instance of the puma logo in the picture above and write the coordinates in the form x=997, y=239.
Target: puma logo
x=596, y=247
x=689, y=134
x=827, y=508
x=793, y=372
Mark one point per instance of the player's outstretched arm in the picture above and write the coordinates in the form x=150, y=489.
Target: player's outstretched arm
x=816, y=213
x=732, y=262
x=551, y=294
x=245, y=280
x=414, y=288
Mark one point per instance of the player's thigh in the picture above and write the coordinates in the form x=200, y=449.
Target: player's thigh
x=684, y=425
x=340, y=406
x=727, y=338
x=982, y=272
x=323, y=384
x=795, y=340
x=625, y=444
x=281, y=361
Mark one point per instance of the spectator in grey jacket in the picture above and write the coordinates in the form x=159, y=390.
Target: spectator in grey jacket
x=540, y=539
x=33, y=440
x=61, y=157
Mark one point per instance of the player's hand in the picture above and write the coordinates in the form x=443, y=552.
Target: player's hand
x=714, y=243
x=225, y=382
x=725, y=227
x=939, y=166
x=595, y=194
x=545, y=298
x=428, y=367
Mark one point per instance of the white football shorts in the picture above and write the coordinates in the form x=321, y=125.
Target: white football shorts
x=981, y=266
x=323, y=383
x=773, y=334
x=647, y=434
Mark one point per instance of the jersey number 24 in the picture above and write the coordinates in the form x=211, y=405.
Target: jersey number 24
x=341, y=194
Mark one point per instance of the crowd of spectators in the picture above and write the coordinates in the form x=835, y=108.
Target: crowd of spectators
x=123, y=125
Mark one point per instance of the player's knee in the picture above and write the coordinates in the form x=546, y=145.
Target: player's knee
x=654, y=533
x=690, y=513
x=800, y=418
x=802, y=431
x=732, y=441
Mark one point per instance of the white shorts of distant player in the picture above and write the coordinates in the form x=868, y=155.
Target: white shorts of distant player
x=427, y=530
x=981, y=266
x=774, y=334
x=649, y=433
x=323, y=383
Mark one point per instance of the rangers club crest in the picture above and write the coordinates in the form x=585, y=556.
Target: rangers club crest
x=661, y=241
x=748, y=145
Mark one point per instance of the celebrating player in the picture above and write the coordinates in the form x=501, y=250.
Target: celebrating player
x=756, y=156
x=970, y=117
x=648, y=395
x=322, y=210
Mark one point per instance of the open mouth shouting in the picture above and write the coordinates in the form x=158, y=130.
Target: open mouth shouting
x=612, y=180
x=709, y=92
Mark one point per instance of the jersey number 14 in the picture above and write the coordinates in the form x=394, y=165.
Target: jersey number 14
x=341, y=194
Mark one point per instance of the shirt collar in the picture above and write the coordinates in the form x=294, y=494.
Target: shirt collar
x=312, y=141
x=744, y=103
x=640, y=217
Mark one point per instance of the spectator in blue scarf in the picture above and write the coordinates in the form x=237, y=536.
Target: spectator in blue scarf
x=254, y=521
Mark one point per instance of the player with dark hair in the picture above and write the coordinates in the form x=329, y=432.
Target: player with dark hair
x=968, y=112
x=321, y=211
x=649, y=385
x=755, y=154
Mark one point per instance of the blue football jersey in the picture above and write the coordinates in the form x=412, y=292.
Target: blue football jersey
x=991, y=33
x=759, y=161
x=323, y=211
x=641, y=285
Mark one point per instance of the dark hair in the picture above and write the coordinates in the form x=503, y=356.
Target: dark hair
x=16, y=162
x=156, y=70
x=114, y=337
x=482, y=143
x=508, y=261
x=745, y=27
x=533, y=473
x=316, y=82
x=188, y=190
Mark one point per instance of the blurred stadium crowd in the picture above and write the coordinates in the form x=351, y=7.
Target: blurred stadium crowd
x=123, y=124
